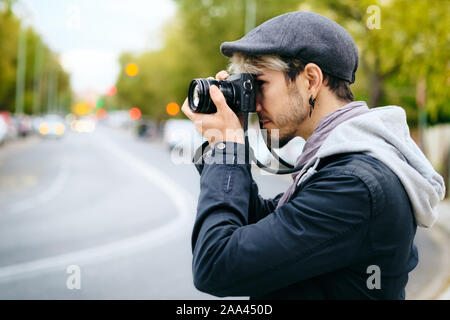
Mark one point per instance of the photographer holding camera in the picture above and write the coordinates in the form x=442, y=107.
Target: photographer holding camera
x=354, y=205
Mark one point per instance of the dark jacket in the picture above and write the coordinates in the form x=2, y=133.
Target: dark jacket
x=352, y=214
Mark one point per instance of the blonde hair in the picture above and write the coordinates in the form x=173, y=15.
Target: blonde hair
x=241, y=63
x=291, y=67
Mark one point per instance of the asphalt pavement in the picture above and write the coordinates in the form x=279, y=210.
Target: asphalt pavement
x=119, y=210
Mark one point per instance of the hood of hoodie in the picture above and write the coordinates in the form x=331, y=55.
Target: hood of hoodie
x=383, y=133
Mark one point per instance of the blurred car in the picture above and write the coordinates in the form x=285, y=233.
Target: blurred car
x=118, y=119
x=3, y=130
x=83, y=125
x=181, y=134
x=52, y=125
x=35, y=123
x=24, y=124
x=146, y=128
x=11, y=123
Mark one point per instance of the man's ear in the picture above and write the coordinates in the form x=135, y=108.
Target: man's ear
x=313, y=74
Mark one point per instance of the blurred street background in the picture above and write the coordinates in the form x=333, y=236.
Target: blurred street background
x=95, y=172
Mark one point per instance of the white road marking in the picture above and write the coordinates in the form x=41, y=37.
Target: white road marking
x=44, y=197
x=182, y=200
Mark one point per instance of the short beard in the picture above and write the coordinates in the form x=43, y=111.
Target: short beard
x=288, y=122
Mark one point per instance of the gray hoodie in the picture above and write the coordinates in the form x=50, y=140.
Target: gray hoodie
x=383, y=133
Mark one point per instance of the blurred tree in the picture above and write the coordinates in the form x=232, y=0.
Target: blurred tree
x=409, y=49
x=9, y=31
x=191, y=50
x=404, y=48
x=37, y=79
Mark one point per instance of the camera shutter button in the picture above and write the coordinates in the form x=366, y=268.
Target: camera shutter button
x=248, y=85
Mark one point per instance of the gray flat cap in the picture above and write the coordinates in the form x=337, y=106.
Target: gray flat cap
x=307, y=36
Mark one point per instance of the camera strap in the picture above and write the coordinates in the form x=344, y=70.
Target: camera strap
x=250, y=154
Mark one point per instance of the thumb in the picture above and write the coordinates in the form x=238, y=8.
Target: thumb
x=218, y=98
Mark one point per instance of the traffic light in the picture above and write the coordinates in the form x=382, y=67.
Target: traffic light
x=100, y=103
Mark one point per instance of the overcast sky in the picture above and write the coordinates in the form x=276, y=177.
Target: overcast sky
x=89, y=35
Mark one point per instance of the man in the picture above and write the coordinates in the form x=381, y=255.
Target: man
x=345, y=228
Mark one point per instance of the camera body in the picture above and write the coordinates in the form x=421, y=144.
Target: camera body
x=239, y=90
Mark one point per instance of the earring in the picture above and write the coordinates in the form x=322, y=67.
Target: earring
x=311, y=102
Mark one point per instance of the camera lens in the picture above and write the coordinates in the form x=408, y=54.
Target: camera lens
x=199, y=99
x=196, y=97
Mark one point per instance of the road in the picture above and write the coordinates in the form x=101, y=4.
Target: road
x=117, y=208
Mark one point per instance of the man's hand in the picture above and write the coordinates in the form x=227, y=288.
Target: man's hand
x=224, y=125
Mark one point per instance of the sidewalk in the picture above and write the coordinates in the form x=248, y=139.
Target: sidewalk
x=444, y=215
x=443, y=223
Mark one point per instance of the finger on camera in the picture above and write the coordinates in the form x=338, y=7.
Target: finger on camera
x=222, y=75
x=186, y=110
x=218, y=98
x=193, y=116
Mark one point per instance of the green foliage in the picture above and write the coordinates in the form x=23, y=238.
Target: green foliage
x=9, y=27
x=191, y=50
x=412, y=45
x=48, y=66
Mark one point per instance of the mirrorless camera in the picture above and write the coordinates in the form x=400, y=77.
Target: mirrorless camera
x=239, y=91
